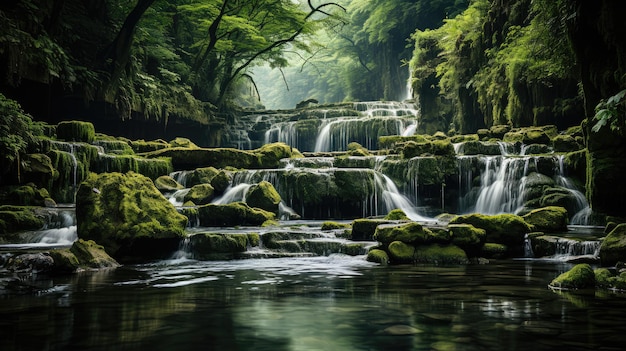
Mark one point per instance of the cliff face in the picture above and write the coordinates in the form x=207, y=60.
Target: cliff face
x=597, y=35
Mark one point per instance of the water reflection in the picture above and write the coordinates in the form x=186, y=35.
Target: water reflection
x=317, y=303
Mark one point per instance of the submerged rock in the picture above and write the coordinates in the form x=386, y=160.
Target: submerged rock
x=127, y=215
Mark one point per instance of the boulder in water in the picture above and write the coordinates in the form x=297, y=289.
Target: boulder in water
x=213, y=246
x=127, y=215
x=233, y=214
x=507, y=229
x=264, y=196
x=547, y=219
x=364, y=229
x=440, y=254
x=221, y=181
x=167, y=183
x=200, y=194
x=581, y=276
x=378, y=256
x=609, y=279
x=493, y=250
x=397, y=215
x=613, y=247
x=410, y=233
x=401, y=252
x=467, y=237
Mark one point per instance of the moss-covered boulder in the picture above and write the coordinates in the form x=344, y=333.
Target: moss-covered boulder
x=221, y=182
x=410, y=233
x=547, y=219
x=330, y=225
x=412, y=149
x=183, y=142
x=269, y=155
x=18, y=218
x=397, y=215
x=467, y=237
x=166, y=183
x=127, y=215
x=440, y=254
x=233, y=214
x=378, y=256
x=560, y=197
x=263, y=196
x=506, y=229
x=37, y=168
x=544, y=245
x=202, y=175
x=476, y=147
x=76, y=131
x=91, y=255
x=212, y=246
x=493, y=250
x=27, y=195
x=609, y=279
x=581, y=276
x=186, y=158
x=364, y=229
x=401, y=252
x=613, y=247
x=142, y=146
x=200, y=194
x=40, y=262
x=565, y=143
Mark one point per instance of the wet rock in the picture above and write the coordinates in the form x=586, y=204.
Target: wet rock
x=263, y=196
x=401, y=252
x=364, y=229
x=234, y=214
x=31, y=262
x=506, y=229
x=167, y=183
x=548, y=219
x=206, y=246
x=410, y=233
x=401, y=329
x=127, y=215
x=18, y=218
x=467, y=237
x=440, y=254
x=396, y=215
x=581, y=276
x=493, y=250
x=220, y=182
x=613, y=247
x=610, y=279
x=76, y=131
x=200, y=194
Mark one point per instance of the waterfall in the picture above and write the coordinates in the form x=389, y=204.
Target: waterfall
x=392, y=198
x=233, y=194
x=528, y=247
x=583, y=213
x=565, y=248
x=501, y=181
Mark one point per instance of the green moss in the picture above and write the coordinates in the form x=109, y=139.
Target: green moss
x=613, y=247
x=231, y=215
x=167, y=183
x=269, y=155
x=217, y=245
x=328, y=225
x=263, y=196
x=200, y=194
x=141, y=146
x=364, y=229
x=183, y=142
x=151, y=168
x=606, y=279
x=493, y=250
x=18, y=218
x=27, y=195
x=202, y=175
x=221, y=182
x=581, y=276
x=438, y=147
x=64, y=261
x=547, y=219
x=378, y=256
x=391, y=141
x=507, y=229
x=254, y=239
x=440, y=254
x=467, y=237
x=185, y=158
x=118, y=147
x=401, y=252
x=396, y=215
x=116, y=210
x=544, y=245
x=410, y=233
x=92, y=255
x=76, y=131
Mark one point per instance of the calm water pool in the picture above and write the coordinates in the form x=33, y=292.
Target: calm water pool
x=315, y=303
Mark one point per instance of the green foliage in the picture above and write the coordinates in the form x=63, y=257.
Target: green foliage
x=17, y=133
x=611, y=112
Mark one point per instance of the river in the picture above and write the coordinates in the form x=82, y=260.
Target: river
x=334, y=302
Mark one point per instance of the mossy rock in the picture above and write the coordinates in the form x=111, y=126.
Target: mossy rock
x=440, y=254
x=127, y=215
x=410, y=233
x=537, y=149
x=329, y=225
x=378, y=256
x=231, y=215
x=607, y=279
x=200, y=194
x=151, y=168
x=467, y=237
x=356, y=149
x=166, y=183
x=207, y=246
x=185, y=158
x=498, y=131
x=391, y=141
x=18, y=218
x=202, y=175
x=118, y=147
x=92, y=255
x=401, y=252
x=506, y=229
x=37, y=168
x=364, y=229
x=221, y=182
x=613, y=247
x=28, y=195
x=65, y=261
x=397, y=215
x=544, y=245
x=535, y=136
x=493, y=250
x=254, y=239
x=76, y=131
x=264, y=196
x=183, y=142
x=559, y=197
x=438, y=147
x=269, y=155
x=548, y=219
x=142, y=146
x=479, y=148
x=581, y=276
x=565, y=143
